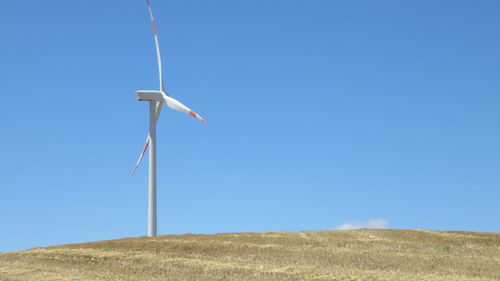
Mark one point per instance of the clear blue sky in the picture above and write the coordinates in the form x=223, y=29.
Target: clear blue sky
x=319, y=113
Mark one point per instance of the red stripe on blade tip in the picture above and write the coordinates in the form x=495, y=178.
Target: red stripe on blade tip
x=154, y=28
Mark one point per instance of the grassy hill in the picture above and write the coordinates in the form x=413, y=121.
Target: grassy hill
x=365, y=254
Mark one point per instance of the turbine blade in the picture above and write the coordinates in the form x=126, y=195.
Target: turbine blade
x=159, y=106
x=177, y=105
x=195, y=115
x=158, y=57
x=142, y=155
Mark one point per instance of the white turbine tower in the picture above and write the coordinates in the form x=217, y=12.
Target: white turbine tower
x=156, y=99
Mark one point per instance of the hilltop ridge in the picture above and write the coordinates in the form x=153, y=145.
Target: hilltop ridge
x=363, y=254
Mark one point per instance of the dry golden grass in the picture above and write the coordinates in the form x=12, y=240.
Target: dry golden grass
x=365, y=254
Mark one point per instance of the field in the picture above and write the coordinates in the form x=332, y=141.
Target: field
x=364, y=254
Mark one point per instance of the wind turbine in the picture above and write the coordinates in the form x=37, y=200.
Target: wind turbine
x=156, y=99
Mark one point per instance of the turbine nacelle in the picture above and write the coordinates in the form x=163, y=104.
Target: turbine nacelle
x=160, y=96
x=143, y=95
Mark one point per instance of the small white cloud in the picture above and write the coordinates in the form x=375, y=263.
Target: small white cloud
x=374, y=223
